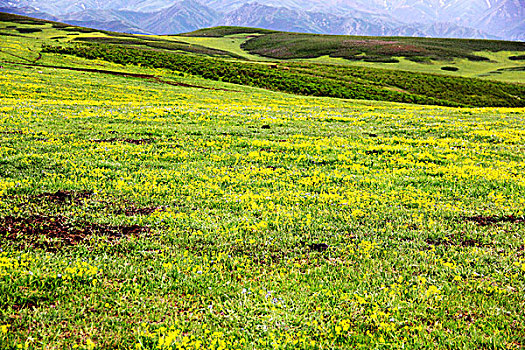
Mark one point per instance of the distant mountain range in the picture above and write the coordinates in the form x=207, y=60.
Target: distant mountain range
x=488, y=19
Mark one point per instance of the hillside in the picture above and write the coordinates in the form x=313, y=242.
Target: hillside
x=306, y=78
x=486, y=59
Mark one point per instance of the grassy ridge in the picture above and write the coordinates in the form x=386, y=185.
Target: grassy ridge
x=218, y=32
x=315, y=79
x=318, y=80
x=467, y=91
x=373, y=49
x=169, y=45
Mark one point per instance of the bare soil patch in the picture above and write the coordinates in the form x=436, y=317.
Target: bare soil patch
x=133, y=210
x=63, y=197
x=492, y=220
x=132, y=141
x=454, y=241
x=54, y=232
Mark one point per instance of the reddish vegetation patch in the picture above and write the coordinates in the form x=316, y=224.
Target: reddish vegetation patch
x=52, y=232
x=491, y=220
x=369, y=42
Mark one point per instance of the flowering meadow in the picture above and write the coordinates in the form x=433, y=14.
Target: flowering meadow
x=136, y=214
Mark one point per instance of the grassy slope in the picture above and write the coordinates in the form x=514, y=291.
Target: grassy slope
x=308, y=80
x=495, y=69
x=449, y=52
x=319, y=80
x=292, y=45
x=64, y=33
x=420, y=210
x=231, y=43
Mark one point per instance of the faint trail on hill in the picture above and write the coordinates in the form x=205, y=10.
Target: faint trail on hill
x=122, y=74
x=20, y=57
x=39, y=56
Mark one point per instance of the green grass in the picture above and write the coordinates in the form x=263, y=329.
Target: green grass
x=318, y=80
x=291, y=45
x=219, y=32
x=137, y=214
x=475, y=58
x=154, y=43
x=304, y=78
x=466, y=68
x=230, y=43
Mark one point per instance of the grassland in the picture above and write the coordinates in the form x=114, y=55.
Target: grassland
x=494, y=60
x=319, y=80
x=373, y=49
x=299, y=78
x=137, y=213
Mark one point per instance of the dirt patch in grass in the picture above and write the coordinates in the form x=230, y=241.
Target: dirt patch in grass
x=63, y=197
x=318, y=247
x=30, y=302
x=54, y=232
x=133, y=210
x=132, y=141
x=492, y=220
x=130, y=208
x=454, y=241
x=16, y=132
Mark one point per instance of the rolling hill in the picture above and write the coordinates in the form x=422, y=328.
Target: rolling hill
x=291, y=70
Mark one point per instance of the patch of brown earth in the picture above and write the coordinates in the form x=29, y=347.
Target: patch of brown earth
x=132, y=141
x=63, y=196
x=454, y=241
x=492, y=220
x=54, y=232
x=132, y=211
